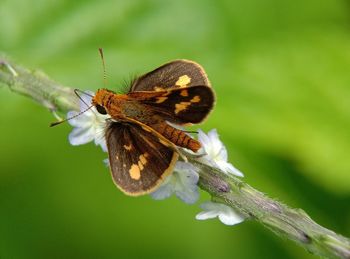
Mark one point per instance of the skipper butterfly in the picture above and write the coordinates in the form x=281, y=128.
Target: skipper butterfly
x=143, y=145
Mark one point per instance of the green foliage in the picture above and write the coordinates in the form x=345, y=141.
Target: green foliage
x=280, y=71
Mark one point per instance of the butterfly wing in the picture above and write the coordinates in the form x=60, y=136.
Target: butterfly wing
x=179, y=105
x=177, y=73
x=138, y=160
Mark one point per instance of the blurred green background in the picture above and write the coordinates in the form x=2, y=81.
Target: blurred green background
x=281, y=73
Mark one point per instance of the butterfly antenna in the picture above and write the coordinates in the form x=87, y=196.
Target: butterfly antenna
x=77, y=91
x=76, y=115
x=100, y=50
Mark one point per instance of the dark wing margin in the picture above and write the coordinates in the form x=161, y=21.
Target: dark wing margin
x=179, y=105
x=139, y=162
x=177, y=73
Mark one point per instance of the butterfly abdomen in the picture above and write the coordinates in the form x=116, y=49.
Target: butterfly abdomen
x=178, y=137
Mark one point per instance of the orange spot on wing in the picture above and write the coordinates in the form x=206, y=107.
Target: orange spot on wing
x=135, y=172
x=184, y=105
x=140, y=165
x=128, y=147
x=183, y=81
x=195, y=99
x=181, y=106
x=143, y=159
x=161, y=99
x=184, y=93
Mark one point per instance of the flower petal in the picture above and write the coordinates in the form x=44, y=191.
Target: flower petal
x=226, y=214
x=100, y=140
x=182, y=183
x=229, y=168
x=80, y=136
x=186, y=188
x=206, y=215
x=165, y=190
x=216, y=153
x=106, y=162
x=86, y=99
x=222, y=154
x=216, y=144
x=203, y=138
x=231, y=218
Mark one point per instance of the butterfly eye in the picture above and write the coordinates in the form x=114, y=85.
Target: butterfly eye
x=101, y=109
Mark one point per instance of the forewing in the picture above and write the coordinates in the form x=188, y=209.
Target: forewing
x=177, y=73
x=138, y=160
x=179, y=105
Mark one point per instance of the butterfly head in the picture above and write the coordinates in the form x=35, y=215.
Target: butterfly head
x=100, y=100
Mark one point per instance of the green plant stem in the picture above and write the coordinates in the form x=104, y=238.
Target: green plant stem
x=286, y=222
x=37, y=86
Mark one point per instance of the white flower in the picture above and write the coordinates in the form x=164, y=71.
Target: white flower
x=216, y=153
x=225, y=213
x=88, y=126
x=182, y=182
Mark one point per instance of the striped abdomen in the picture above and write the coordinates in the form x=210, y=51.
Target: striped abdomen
x=178, y=137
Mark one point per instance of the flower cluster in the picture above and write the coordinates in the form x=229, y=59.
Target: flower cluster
x=90, y=126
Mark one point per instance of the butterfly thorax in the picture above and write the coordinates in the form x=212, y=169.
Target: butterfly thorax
x=114, y=104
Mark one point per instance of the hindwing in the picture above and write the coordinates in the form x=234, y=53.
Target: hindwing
x=138, y=160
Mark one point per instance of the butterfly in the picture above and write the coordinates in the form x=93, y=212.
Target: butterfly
x=142, y=139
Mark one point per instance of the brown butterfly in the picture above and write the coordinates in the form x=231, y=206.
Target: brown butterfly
x=142, y=143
